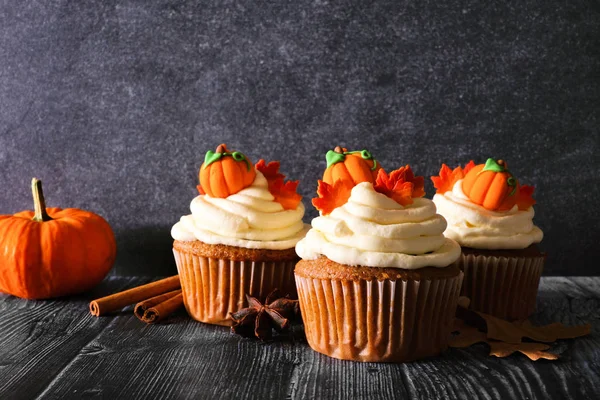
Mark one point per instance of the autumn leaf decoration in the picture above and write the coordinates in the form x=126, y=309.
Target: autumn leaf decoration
x=401, y=185
x=448, y=177
x=284, y=192
x=270, y=170
x=332, y=196
x=525, y=197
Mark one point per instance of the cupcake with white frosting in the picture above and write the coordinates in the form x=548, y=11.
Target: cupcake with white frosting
x=377, y=280
x=239, y=238
x=490, y=214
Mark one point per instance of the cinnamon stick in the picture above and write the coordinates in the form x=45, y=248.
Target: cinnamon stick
x=119, y=300
x=141, y=308
x=161, y=310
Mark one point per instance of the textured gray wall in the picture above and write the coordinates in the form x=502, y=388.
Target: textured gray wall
x=114, y=103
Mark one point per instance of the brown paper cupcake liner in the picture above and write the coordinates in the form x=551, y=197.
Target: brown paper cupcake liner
x=505, y=287
x=378, y=321
x=213, y=288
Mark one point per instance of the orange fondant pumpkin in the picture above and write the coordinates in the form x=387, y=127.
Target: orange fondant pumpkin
x=356, y=166
x=491, y=185
x=224, y=173
x=53, y=252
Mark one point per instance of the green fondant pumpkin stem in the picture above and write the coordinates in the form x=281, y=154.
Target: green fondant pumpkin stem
x=39, y=203
x=237, y=156
x=493, y=165
x=212, y=156
x=334, y=157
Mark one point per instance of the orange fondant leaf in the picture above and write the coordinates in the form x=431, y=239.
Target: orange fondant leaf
x=447, y=177
x=332, y=196
x=270, y=170
x=525, y=197
x=534, y=351
x=284, y=192
x=401, y=185
x=200, y=190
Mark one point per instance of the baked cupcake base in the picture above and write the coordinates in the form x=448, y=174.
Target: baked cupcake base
x=377, y=314
x=216, y=278
x=503, y=283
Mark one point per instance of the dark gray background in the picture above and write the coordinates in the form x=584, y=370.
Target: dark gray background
x=114, y=103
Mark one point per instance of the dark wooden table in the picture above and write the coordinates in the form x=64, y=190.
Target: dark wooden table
x=56, y=349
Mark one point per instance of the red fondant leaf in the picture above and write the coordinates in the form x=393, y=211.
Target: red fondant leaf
x=448, y=177
x=270, y=170
x=445, y=179
x=525, y=197
x=332, y=196
x=200, y=190
x=284, y=192
x=468, y=167
x=400, y=185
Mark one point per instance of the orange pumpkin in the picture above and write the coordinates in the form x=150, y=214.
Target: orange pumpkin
x=356, y=166
x=53, y=252
x=491, y=185
x=224, y=173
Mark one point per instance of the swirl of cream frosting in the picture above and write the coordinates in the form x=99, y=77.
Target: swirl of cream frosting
x=250, y=219
x=373, y=230
x=472, y=225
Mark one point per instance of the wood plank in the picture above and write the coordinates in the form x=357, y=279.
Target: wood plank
x=591, y=284
x=39, y=338
x=73, y=355
x=135, y=360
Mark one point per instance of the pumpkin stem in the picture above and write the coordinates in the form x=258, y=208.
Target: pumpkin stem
x=38, y=201
x=222, y=148
x=338, y=149
x=502, y=163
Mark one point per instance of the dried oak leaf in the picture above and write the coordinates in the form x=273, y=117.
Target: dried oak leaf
x=332, y=196
x=534, y=351
x=447, y=177
x=514, y=332
x=525, y=197
x=464, y=335
x=505, y=337
x=285, y=193
x=401, y=185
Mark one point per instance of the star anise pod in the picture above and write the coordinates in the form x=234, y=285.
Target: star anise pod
x=260, y=319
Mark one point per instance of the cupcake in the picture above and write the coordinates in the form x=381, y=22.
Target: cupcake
x=490, y=215
x=239, y=238
x=377, y=280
